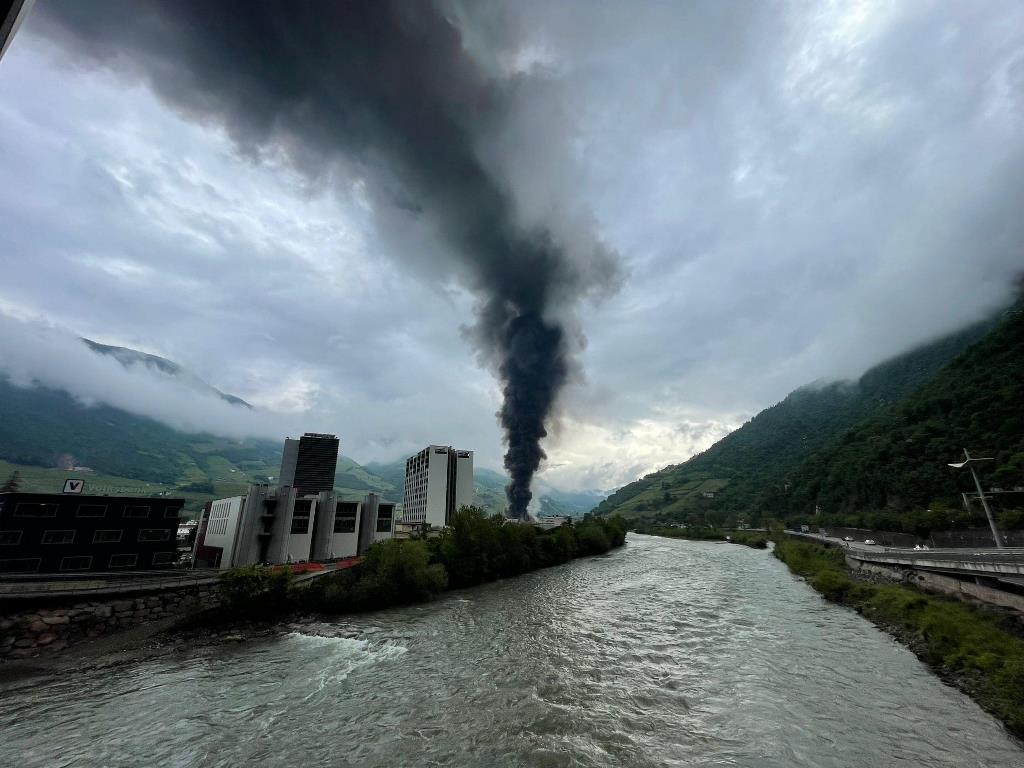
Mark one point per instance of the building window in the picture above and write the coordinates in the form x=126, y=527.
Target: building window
x=20, y=565
x=123, y=561
x=76, y=563
x=58, y=537
x=33, y=509
x=154, y=534
x=91, y=510
x=133, y=510
x=174, y=512
x=106, y=537
x=385, y=513
x=300, y=516
x=219, y=514
x=10, y=538
x=345, y=517
x=163, y=558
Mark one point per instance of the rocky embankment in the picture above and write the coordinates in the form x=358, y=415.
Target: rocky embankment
x=48, y=628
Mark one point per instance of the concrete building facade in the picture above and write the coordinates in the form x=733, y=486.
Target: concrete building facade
x=278, y=525
x=438, y=480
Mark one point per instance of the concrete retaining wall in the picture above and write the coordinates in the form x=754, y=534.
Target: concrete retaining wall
x=33, y=631
x=965, y=589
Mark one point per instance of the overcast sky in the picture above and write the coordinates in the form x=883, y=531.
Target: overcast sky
x=791, y=191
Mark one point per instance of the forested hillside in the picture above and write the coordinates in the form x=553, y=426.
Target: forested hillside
x=727, y=481
x=896, y=462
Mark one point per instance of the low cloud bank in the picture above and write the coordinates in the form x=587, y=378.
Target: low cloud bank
x=35, y=353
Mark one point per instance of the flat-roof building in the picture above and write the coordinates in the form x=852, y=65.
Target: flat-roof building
x=438, y=481
x=53, y=532
x=278, y=525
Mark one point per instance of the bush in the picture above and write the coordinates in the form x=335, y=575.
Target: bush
x=255, y=590
x=476, y=548
x=403, y=572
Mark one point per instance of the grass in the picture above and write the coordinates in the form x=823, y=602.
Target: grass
x=218, y=473
x=967, y=645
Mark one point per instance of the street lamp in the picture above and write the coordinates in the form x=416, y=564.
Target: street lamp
x=969, y=462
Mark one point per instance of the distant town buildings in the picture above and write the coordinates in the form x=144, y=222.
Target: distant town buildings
x=55, y=533
x=550, y=522
x=438, y=481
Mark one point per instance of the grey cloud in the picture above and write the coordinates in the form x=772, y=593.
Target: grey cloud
x=797, y=192
x=391, y=84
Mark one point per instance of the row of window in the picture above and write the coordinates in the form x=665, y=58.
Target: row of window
x=82, y=562
x=67, y=536
x=40, y=509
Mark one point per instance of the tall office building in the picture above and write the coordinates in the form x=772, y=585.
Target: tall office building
x=438, y=480
x=309, y=463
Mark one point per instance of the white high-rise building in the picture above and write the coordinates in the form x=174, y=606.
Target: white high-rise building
x=438, y=481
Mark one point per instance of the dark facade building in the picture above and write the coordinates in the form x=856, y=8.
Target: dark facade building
x=309, y=463
x=58, y=533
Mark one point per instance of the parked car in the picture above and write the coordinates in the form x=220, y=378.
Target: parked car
x=869, y=541
x=847, y=538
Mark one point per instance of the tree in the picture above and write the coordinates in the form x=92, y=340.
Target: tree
x=13, y=483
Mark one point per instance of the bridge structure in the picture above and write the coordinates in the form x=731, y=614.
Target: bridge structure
x=993, y=575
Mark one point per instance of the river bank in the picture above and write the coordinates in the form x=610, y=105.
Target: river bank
x=977, y=650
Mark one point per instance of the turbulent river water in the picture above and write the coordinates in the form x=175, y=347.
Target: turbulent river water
x=665, y=652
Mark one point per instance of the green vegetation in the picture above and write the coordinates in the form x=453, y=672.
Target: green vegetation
x=12, y=484
x=869, y=454
x=46, y=432
x=477, y=548
x=742, y=466
x=894, y=464
x=969, y=645
x=755, y=539
x=255, y=590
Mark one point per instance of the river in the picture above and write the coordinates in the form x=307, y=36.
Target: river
x=664, y=653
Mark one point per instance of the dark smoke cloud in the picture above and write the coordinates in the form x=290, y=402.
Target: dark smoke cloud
x=384, y=92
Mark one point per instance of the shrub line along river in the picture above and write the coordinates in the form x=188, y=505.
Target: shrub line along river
x=664, y=652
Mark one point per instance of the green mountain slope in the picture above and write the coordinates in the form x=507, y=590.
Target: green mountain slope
x=46, y=434
x=896, y=460
x=726, y=481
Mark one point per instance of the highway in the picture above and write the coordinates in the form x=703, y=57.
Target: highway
x=993, y=561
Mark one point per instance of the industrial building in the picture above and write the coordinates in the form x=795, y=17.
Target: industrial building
x=55, y=533
x=438, y=481
x=278, y=525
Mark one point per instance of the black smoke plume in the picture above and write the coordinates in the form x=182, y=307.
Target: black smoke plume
x=385, y=91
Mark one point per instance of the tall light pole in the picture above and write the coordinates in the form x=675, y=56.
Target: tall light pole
x=969, y=463
x=12, y=13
